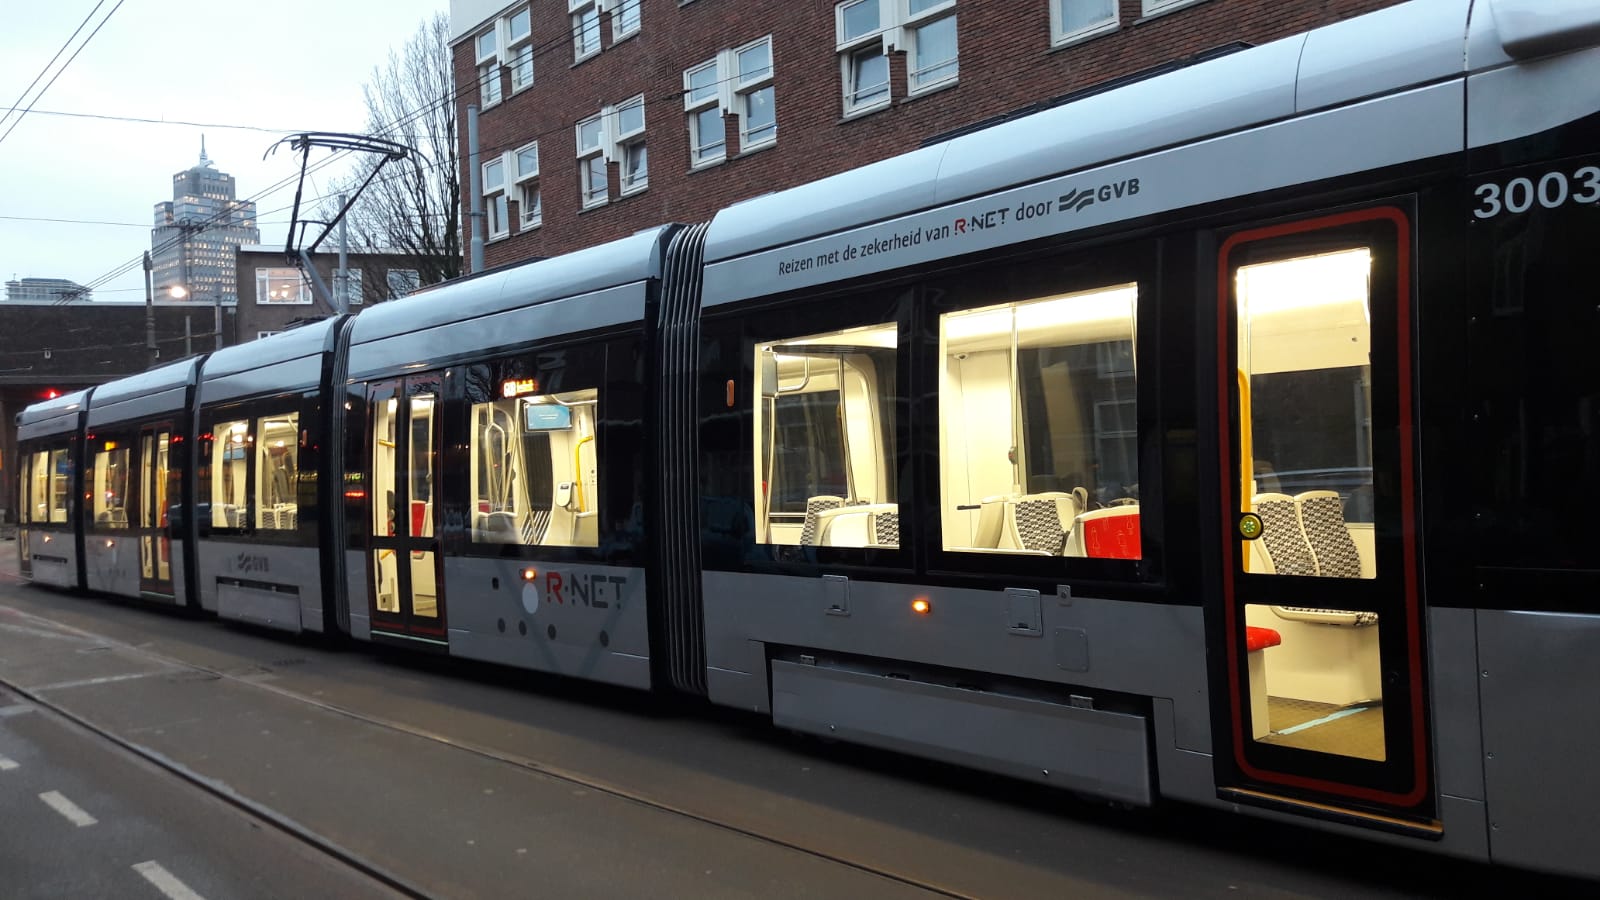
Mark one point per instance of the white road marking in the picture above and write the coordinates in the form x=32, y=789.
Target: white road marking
x=15, y=709
x=67, y=808
x=165, y=881
x=86, y=682
x=7, y=765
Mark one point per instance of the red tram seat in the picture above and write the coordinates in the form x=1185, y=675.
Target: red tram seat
x=1256, y=638
x=1111, y=533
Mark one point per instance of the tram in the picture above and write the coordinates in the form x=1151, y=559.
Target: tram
x=1229, y=437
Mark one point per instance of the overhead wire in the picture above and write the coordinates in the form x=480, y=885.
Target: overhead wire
x=67, y=43
x=18, y=120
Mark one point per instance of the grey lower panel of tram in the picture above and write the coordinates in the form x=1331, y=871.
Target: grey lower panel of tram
x=276, y=586
x=53, y=557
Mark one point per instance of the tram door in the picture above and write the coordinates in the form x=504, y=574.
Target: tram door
x=1323, y=694
x=406, y=601
x=155, y=546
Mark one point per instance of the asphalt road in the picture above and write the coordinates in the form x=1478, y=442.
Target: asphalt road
x=467, y=780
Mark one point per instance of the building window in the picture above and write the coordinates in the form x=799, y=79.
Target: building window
x=624, y=19
x=738, y=81
x=591, y=162
x=758, y=120
x=867, y=30
x=519, y=44
x=1153, y=7
x=1073, y=20
x=707, y=136
x=265, y=334
x=585, y=28
x=402, y=282
x=631, y=154
x=354, y=286
x=525, y=168
x=489, y=68
x=494, y=198
x=280, y=286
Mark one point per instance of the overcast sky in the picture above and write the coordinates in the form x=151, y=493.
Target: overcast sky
x=286, y=66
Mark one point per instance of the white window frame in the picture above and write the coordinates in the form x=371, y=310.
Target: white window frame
x=1148, y=8
x=694, y=106
x=1059, y=37
x=488, y=67
x=576, y=10
x=913, y=25
x=494, y=197
x=587, y=196
x=618, y=29
x=730, y=92
x=410, y=280
x=265, y=275
x=618, y=143
x=529, y=215
x=519, y=50
x=744, y=88
x=849, y=48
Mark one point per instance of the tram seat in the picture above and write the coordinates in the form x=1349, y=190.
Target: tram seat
x=815, y=506
x=1322, y=520
x=860, y=525
x=991, y=521
x=1110, y=533
x=1040, y=521
x=1258, y=639
x=497, y=528
x=1305, y=535
x=1284, y=549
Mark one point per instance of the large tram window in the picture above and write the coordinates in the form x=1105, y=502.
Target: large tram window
x=230, y=460
x=60, y=486
x=277, y=442
x=1306, y=432
x=825, y=436
x=111, y=482
x=534, y=468
x=1315, y=679
x=38, y=504
x=1039, y=442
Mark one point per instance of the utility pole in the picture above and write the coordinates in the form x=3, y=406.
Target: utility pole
x=150, y=313
x=475, y=189
x=342, y=291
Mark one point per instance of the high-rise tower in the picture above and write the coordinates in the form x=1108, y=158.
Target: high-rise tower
x=197, y=235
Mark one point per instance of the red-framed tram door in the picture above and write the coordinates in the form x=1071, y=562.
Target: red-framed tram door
x=406, y=600
x=1323, y=694
x=155, y=545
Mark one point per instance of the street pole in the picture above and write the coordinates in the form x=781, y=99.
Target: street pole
x=342, y=292
x=474, y=176
x=217, y=295
x=150, y=314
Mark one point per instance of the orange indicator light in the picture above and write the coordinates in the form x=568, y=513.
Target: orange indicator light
x=530, y=574
x=921, y=606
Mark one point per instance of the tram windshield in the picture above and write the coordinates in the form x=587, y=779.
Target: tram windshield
x=824, y=429
x=1039, y=435
x=534, y=468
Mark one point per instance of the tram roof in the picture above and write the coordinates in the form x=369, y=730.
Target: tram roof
x=625, y=261
x=1382, y=52
x=310, y=339
x=161, y=378
x=52, y=416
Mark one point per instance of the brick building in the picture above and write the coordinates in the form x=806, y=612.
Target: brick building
x=274, y=293
x=601, y=117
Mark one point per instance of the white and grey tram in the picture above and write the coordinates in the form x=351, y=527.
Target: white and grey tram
x=1230, y=437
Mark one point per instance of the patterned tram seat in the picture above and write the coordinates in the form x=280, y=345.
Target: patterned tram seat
x=1322, y=519
x=859, y=524
x=1282, y=539
x=815, y=506
x=1040, y=522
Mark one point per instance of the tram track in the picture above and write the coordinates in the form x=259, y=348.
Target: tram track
x=249, y=676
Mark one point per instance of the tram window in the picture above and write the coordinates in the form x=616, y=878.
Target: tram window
x=1315, y=679
x=60, y=486
x=39, y=502
x=230, y=459
x=1306, y=430
x=535, y=478
x=277, y=442
x=824, y=427
x=1039, y=441
x=111, y=482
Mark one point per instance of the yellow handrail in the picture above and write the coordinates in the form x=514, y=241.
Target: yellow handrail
x=577, y=469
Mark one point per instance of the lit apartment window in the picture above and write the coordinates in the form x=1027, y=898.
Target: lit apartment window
x=281, y=286
x=624, y=19
x=868, y=29
x=707, y=137
x=488, y=67
x=1073, y=20
x=525, y=162
x=630, y=153
x=591, y=162
x=585, y=28
x=262, y=334
x=519, y=44
x=494, y=197
x=738, y=81
x=402, y=282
